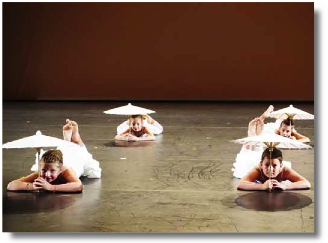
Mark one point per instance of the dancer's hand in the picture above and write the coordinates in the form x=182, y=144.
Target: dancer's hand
x=132, y=138
x=268, y=185
x=125, y=136
x=40, y=183
x=278, y=186
x=292, y=137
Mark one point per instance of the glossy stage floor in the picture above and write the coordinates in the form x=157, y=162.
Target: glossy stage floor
x=182, y=182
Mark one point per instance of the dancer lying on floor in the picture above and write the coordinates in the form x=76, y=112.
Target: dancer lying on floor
x=249, y=155
x=137, y=131
x=258, y=177
x=283, y=128
x=61, y=168
x=150, y=123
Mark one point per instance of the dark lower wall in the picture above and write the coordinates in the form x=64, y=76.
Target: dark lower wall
x=158, y=51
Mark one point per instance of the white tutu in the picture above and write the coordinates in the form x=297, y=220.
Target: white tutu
x=79, y=159
x=271, y=127
x=155, y=128
x=246, y=160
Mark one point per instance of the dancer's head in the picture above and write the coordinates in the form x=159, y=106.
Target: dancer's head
x=51, y=165
x=286, y=127
x=276, y=162
x=136, y=122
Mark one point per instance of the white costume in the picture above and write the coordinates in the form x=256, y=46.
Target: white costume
x=79, y=159
x=246, y=159
x=155, y=128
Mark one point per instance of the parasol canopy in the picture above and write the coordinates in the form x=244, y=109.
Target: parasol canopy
x=291, y=112
x=129, y=110
x=272, y=140
x=37, y=141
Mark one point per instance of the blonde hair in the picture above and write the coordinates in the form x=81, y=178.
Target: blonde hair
x=53, y=156
x=137, y=116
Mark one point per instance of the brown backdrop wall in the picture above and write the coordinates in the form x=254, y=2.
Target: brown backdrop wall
x=158, y=51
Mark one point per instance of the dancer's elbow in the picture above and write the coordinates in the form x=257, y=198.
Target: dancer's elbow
x=240, y=186
x=307, y=185
x=12, y=186
x=151, y=138
x=79, y=187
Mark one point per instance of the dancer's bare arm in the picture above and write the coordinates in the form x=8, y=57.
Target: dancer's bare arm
x=247, y=182
x=150, y=136
x=122, y=136
x=25, y=183
x=300, y=137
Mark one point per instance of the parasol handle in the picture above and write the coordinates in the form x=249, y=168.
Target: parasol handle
x=270, y=172
x=38, y=160
x=290, y=116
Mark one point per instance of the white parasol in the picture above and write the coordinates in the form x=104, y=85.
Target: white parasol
x=37, y=141
x=129, y=110
x=291, y=112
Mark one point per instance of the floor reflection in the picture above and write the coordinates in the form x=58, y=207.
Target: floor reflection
x=115, y=143
x=36, y=202
x=273, y=201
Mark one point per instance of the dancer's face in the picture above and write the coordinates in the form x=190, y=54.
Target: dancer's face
x=50, y=171
x=285, y=130
x=136, y=124
x=275, y=167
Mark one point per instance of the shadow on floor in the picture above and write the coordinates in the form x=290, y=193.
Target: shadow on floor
x=273, y=201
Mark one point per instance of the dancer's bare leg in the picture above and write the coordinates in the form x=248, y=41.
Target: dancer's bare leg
x=67, y=131
x=76, y=138
x=266, y=113
x=255, y=127
x=149, y=119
